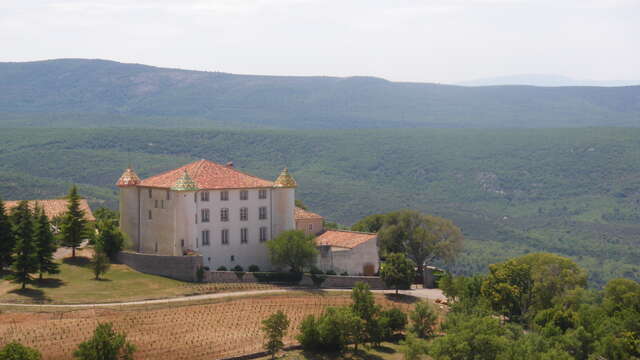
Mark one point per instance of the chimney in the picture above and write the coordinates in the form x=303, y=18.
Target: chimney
x=230, y=164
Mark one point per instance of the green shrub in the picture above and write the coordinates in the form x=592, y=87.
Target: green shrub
x=278, y=277
x=309, y=336
x=397, y=320
x=238, y=268
x=200, y=274
x=222, y=268
x=344, y=273
x=330, y=272
x=318, y=279
x=254, y=268
x=17, y=351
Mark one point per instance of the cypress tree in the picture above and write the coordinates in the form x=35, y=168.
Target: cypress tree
x=25, y=260
x=45, y=243
x=73, y=223
x=7, y=241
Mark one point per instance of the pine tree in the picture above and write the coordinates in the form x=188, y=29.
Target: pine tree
x=25, y=260
x=73, y=223
x=45, y=243
x=7, y=241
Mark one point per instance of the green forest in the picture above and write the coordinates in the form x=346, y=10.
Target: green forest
x=574, y=192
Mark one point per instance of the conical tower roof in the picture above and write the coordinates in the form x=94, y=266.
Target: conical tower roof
x=185, y=183
x=285, y=180
x=128, y=178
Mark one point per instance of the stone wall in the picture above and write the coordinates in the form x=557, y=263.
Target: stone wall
x=331, y=281
x=175, y=267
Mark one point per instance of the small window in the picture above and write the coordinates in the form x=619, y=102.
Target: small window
x=224, y=214
x=244, y=235
x=205, y=237
x=162, y=204
x=205, y=215
x=233, y=258
x=244, y=195
x=156, y=246
x=204, y=196
x=155, y=204
x=263, y=234
x=262, y=194
x=224, y=237
x=195, y=197
x=168, y=195
x=224, y=195
x=182, y=243
x=310, y=227
x=150, y=215
x=262, y=213
x=196, y=215
x=244, y=214
x=150, y=193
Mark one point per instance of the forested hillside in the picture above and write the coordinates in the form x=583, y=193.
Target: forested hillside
x=98, y=93
x=570, y=191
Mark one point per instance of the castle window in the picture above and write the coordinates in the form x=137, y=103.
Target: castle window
x=150, y=215
x=233, y=258
x=244, y=214
x=262, y=194
x=168, y=195
x=244, y=195
x=263, y=234
x=150, y=193
x=224, y=237
x=224, y=195
x=205, y=237
x=196, y=216
x=205, y=215
x=155, y=204
x=162, y=204
x=182, y=243
x=204, y=196
x=310, y=227
x=262, y=213
x=244, y=234
x=224, y=214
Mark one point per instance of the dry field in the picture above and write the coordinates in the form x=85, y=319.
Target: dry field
x=207, y=331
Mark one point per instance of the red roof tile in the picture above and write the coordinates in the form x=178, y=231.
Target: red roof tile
x=343, y=239
x=209, y=176
x=302, y=214
x=54, y=207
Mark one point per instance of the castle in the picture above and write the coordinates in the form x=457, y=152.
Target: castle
x=227, y=216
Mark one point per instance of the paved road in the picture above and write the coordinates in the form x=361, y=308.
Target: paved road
x=431, y=294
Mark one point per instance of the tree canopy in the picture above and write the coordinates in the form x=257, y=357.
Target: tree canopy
x=73, y=226
x=292, y=248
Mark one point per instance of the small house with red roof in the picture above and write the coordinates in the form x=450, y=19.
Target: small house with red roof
x=223, y=214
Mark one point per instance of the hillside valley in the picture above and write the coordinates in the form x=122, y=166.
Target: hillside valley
x=574, y=192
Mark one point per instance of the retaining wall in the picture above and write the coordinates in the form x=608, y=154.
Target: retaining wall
x=331, y=281
x=175, y=267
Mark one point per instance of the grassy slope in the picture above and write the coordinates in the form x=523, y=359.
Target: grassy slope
x=512, y=191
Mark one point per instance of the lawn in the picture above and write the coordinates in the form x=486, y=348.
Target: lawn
x=75, y=284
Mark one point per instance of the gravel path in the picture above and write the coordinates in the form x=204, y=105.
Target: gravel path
x=432, y=294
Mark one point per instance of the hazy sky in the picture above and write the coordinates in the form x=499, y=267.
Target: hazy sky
x=408, y=40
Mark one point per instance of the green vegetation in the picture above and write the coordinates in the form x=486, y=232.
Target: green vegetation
x=511, y=192
x=397, y=271
x=106, y=344
x=275, y=328
x=25, y=259
x=293, y=249
x=16, y=351
x=73, y=225
x=536, y=307
x=98, y=93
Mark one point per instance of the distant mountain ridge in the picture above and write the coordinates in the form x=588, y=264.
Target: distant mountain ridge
x=100, y=93
x=544, y=80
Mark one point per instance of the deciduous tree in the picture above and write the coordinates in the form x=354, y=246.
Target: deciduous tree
x=293, y=249
x=106, y=344
x=423, y=320
x=110, y=239
x=17, y=351
x=99, y=263
x=398, y=271
x=275, y=328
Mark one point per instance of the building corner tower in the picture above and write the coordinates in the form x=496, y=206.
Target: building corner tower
x=130, y=206
x=284, y=195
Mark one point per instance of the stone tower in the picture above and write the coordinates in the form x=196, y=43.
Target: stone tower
x=284, y=195
x=130, y=206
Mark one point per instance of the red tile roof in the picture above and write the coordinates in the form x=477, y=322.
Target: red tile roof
x=54, y=207
x=302, y=214
x=343, y=238
x=208, y=176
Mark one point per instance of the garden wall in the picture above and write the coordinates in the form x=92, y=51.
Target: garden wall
x=175, y=267
x=331, y=281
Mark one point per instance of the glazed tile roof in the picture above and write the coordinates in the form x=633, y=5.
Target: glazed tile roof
x=302, y=214
x=128, y=178
x=343, y=238
x=54, y=207
x=185, y=183
x=285, y=180
x=207, y=175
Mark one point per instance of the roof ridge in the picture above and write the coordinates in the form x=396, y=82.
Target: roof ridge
x=352, y=231
x=170, y=170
